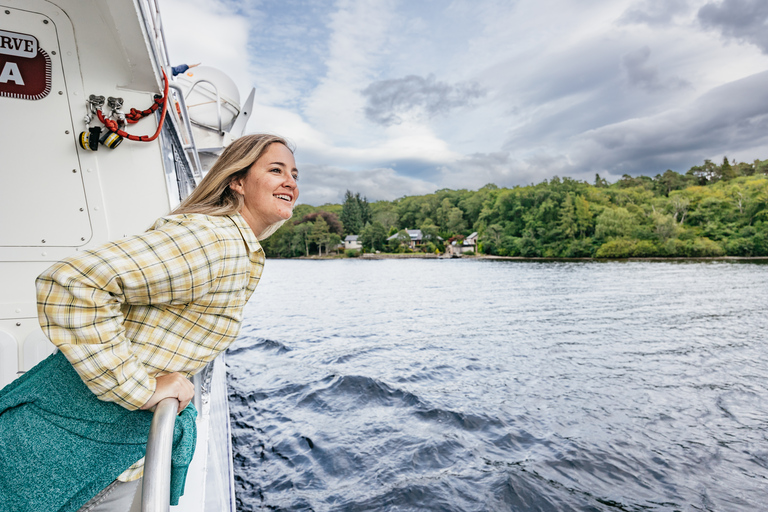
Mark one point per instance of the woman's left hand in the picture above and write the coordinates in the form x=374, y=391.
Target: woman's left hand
x=172, y=385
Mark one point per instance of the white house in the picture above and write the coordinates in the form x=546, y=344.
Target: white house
x=469, y=244
x=352, y=242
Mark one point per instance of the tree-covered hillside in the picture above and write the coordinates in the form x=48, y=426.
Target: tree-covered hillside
x=711, y=210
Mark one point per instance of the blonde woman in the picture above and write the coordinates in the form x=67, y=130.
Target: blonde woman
x=132, y=320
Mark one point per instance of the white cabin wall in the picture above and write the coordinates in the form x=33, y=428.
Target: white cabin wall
x=55, y=198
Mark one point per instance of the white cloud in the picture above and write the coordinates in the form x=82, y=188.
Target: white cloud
x=570, y=88
x=209, y=32
x=359, y=31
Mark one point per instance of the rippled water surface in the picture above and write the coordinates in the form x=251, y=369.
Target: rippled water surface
x=466, y=385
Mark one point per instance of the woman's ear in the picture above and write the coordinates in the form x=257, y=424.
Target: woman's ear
x=236, y=184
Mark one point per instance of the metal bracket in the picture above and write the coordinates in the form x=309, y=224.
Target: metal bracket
x=115, y=104
x=95, y=103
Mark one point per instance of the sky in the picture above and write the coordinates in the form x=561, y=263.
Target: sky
x=390, y=98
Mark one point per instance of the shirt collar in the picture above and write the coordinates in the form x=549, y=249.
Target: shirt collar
x=245, y=230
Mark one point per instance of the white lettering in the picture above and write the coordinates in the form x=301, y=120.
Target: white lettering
x=11, y=73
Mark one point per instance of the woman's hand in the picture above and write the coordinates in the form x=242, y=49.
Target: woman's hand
x=172, y=385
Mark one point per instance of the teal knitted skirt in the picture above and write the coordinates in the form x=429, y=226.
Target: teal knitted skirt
x=60, y=445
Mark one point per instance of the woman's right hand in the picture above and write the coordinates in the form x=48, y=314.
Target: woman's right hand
x=172, y=385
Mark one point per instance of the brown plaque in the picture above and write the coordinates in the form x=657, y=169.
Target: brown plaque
x=25, y=68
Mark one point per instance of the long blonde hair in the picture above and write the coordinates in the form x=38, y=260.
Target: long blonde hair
x=213, y=196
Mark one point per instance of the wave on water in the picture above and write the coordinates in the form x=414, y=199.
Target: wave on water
x=356, y=443
x=477, y=386
x=250, y=343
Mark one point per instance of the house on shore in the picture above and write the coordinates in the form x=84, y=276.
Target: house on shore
x=352, y=242
x=469, y=244
x=417, y=238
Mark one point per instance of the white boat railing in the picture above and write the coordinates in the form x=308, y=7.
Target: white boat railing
x=156, y=491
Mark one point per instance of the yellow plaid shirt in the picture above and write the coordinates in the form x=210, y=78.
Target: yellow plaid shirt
x=168, y=300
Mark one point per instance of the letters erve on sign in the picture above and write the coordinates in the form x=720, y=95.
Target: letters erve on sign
x=25, y=68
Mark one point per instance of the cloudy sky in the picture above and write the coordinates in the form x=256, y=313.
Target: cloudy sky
x=404, y=97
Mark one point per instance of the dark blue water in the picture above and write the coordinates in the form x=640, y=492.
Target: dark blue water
x=460, y=385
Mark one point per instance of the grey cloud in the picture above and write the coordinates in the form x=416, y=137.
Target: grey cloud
x=389, y=101
x=645, y=76
x=654, y=12
x=743, y=20
x=326, y=184
x=576, y=90
x=500, y=168
x=727, y=119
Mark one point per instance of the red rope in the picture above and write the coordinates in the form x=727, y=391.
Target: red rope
x=135, y=116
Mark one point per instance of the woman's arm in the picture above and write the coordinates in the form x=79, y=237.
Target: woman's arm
x=81, y=303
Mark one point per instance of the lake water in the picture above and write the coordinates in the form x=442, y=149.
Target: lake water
x=472, y=385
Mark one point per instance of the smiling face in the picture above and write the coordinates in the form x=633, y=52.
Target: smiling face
x=269, y=188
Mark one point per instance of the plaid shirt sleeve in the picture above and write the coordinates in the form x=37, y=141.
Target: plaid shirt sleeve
x=82, y=299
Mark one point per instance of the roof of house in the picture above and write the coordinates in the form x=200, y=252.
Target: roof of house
x=351, y=238
x=470, y=239
x=415, y=235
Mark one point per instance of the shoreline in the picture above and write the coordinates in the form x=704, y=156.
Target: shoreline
x=396, y=256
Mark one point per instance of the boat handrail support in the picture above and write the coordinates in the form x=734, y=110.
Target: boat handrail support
x=184, y=114
x=218, y=99
x=156, y=491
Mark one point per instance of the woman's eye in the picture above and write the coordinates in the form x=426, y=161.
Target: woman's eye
x=278, y=171
x=295, y=177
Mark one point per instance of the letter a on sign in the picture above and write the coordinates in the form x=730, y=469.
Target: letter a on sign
x=25, y=68
x=11, y=73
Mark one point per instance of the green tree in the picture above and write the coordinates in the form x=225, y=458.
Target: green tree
x=725, y=171
x=386, y=216
x=320, y=234
x=374, y=236
x=492, y=238
x=301, y=238
x=670, y=181
x=355, y=213
x=455, y=223
x=568, y=224
x=333, y=243
x=583, y=215
x=679, y=205
x=600, y=182
x=614, y=223
x=664, y=226
x=704, y=173
x=429, y=233
x=366, y=214
x=351, y=216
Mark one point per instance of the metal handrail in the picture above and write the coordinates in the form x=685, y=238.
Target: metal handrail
x=218, y=98
x=184, y=114
x=156, y=492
